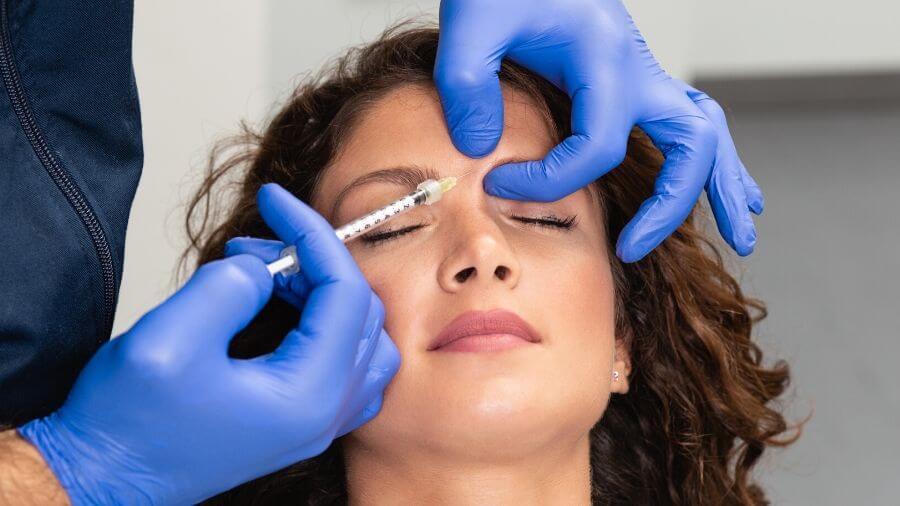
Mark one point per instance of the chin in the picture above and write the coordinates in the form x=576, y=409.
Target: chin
x=495, y=420
x=468, y=407
x=504, y=428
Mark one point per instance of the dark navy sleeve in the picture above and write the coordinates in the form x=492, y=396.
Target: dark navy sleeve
x=70, y=160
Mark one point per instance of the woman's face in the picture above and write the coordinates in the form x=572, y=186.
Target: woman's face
x=475, y=252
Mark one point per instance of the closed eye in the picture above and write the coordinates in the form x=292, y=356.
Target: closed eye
x=551, y=221
x=375, y=238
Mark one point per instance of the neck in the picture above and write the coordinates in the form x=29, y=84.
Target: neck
x=560, y=475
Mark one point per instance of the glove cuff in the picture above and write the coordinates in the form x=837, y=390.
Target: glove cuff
x=49, y=435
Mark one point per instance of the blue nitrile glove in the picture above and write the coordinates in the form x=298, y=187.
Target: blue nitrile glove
x=592, y=50
x=162, y=415
x=292, y=289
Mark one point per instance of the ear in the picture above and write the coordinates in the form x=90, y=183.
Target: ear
x=621, y=365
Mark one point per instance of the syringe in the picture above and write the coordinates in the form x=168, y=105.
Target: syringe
x=428, y=192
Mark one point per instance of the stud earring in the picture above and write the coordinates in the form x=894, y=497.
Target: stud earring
x=615, y=375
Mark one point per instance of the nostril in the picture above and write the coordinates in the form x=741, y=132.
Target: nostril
x=501, y=272
x=464, y=274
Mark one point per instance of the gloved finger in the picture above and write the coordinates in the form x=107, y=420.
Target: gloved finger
x=597, y=145
x=344, y=385
x=267, y=250
x=726, y=150
x=755, y=198
x=371, y=333
x=465, y=74
x=353, y=386
x=728, y=201
x=363, y=417
x=727, y=192
x=336, y=311
x=294, y=288
x=381, y=369
x=688, y=140
x=725, y=189
x=217, y=302
x=350, y=383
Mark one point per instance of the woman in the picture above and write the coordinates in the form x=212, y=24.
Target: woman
x=631, y=383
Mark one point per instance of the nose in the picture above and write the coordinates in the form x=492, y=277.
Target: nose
x=481, y=256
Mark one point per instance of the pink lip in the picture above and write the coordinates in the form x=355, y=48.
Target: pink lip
x=493, y=330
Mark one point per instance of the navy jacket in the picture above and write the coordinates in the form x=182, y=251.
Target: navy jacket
x=70, y=160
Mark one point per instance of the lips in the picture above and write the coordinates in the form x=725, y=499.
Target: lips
x=498, y=322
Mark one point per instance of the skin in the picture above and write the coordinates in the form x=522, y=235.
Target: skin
x=24, y=476
x=500, y=427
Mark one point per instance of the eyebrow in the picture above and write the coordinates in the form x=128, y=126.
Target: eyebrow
x=408, y=176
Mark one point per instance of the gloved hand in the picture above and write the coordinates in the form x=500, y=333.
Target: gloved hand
x=161, y=415
x=592, y=50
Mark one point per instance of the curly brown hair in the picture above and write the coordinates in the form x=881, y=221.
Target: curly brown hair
x=702, y=406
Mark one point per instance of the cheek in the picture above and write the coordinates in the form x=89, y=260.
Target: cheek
x=583, y=291
x=401, y=286
x=571, y=284
x=577, y=302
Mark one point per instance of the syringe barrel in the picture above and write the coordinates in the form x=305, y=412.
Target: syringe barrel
x=381, y=216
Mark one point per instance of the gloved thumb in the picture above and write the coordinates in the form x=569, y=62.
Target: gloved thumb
x=469, y=54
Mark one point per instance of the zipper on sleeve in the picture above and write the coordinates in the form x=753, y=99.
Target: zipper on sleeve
x=57, y=172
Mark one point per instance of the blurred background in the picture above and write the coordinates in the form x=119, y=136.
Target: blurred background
x=812, y=91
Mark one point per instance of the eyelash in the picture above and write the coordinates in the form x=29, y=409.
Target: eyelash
x=373, y=239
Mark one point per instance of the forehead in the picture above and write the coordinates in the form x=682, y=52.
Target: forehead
x=406, y=128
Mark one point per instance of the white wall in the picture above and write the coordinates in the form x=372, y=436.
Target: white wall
x=666, y=26
x=200, y=67
x=794, y=36
x=304, y=35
